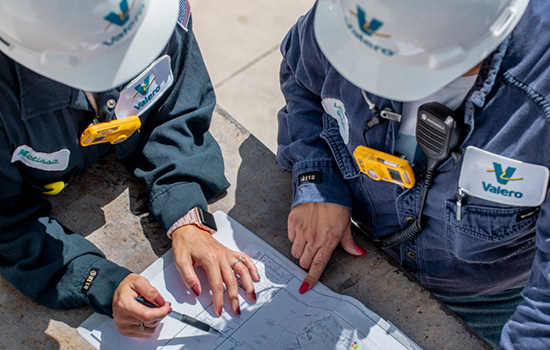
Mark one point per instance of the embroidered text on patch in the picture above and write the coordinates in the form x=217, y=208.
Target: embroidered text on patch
x=56, y=161
x=335, y=108
x=315, y=177
x=89, y=280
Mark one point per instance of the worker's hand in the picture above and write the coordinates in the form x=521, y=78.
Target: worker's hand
x=315, y=230
x=129, y=314
x=195, y=247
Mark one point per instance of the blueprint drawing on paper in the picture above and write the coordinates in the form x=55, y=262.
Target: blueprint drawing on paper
x=280, y=319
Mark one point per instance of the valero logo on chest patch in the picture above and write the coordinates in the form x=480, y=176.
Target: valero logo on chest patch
x=145, y=91
x=502, y=180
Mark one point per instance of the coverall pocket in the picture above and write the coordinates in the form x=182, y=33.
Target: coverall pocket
x=488, y=235
x=331, y=134
x=363, y=210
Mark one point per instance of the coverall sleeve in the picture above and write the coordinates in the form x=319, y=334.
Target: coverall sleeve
x=42, y=259
x=178, y=159
x=301, y=147
x=529, y=326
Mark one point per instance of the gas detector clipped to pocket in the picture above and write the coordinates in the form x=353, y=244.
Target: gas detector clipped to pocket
x=114, y=131
x=383, y=166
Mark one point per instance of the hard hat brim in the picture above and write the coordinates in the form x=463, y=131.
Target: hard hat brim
x=383, y=76
x=116, y=66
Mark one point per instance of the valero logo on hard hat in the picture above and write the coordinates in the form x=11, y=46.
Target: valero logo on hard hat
x=368, y=29
x=121, y=19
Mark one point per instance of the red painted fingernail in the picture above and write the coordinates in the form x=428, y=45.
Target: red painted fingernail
x=239, y=310
x=220, y=311
x=195, y=289
x=160, y=300
x=304, y=287
x=360, y=250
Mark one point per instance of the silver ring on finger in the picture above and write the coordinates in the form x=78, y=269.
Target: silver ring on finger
x=141, y=326
x=240, y=259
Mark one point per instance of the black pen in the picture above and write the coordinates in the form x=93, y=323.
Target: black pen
x=183, y=318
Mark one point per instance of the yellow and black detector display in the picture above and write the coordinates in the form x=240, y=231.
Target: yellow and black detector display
x=383, y=166
x=114, y=131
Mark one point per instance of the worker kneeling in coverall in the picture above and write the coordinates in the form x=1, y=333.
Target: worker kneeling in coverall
x=426, y=123
x=78, y=79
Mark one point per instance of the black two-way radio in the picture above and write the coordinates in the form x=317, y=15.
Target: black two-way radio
x=438, y=132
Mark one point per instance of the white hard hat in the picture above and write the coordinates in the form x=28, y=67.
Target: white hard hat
x=90, y=45
x=406, y=50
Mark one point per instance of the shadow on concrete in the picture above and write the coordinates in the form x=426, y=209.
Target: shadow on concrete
x=79, y=207
x=26, y=325
x=85, y=206
x=263, y=193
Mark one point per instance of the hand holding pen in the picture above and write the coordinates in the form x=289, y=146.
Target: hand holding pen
x=131, y=318
x=193, y=322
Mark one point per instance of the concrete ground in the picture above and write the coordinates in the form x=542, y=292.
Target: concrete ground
x=240, y=40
